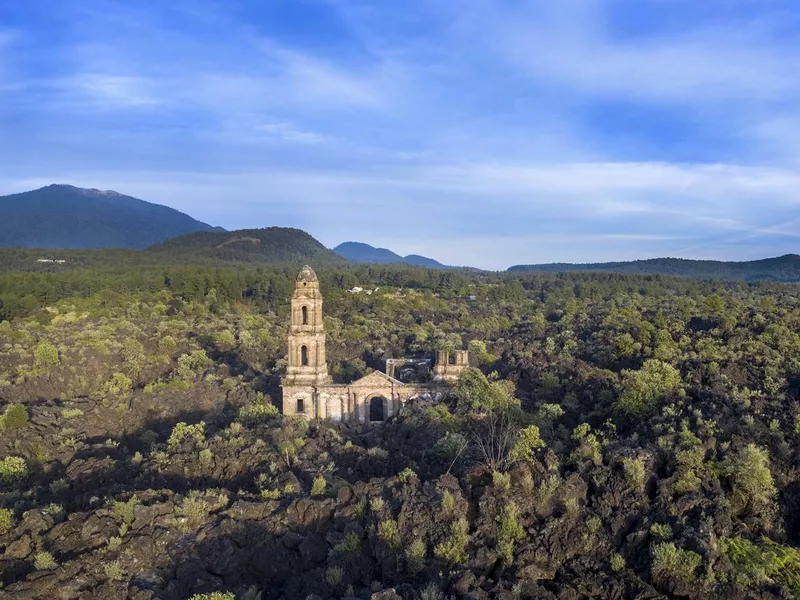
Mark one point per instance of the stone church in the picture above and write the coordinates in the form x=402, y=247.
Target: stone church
x=309, y=391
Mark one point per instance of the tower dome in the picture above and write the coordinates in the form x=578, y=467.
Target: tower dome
x=307, y=274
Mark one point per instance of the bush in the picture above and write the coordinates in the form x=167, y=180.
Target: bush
x=181, y=431
x=119, y=385
x=661, y=530
x=214, y=596
x=334, y=576
x=672, y=562
x=6, y=520
x=528, y=442
x=388, y=533
x=753, y=488
x=45, y=357
x=454, y=549
x=448, y=502
x=44, y=561
x=125, y=510
x=350, y=543
x=448, y=448
x=510, y=533
x=415, y=556
x=642, y=389
x=71, y=413
x=767, y=562
x=501, y=481
x=15, y=417
x=319, y=486
x=113, y=570
x=13, y=469
x=257, y=413
x=635, y=473
x=617, y=563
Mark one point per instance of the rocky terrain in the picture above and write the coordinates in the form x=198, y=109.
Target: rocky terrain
x=585, y=455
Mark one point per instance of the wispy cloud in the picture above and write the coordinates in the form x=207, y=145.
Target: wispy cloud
x=573, y=130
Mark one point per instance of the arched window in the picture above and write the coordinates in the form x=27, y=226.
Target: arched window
x=305, y=315
x=301, y=407
x=304, y=356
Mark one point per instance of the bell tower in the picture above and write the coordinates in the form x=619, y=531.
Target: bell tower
x=307, y=362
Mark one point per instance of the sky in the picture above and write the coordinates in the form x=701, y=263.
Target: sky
x=478, y=132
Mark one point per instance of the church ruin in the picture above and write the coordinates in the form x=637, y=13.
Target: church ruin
x=309, y=391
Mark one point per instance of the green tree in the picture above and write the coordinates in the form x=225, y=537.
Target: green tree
x=642, y=389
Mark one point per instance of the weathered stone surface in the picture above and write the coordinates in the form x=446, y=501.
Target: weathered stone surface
x=20, y=548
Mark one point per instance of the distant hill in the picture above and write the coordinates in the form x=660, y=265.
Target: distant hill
x=783, y=268
x=364, y=253
x=64, y=216
x=275, y=245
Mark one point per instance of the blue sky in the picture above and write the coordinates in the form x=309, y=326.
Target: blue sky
x=480, y=132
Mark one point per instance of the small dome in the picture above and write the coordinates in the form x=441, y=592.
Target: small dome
x=307, y=274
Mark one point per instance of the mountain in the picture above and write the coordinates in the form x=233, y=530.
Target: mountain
x=64, y=216
x=782, y=268
x=275, y=245
x=364, y=253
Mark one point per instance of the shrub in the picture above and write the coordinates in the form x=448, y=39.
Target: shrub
x=271, y=494
x=190, y=365
x=617, y=563
x=448, y=502
x=454, y=549
x=15, y=417
x=767, y=562
x=661, y=530
x=125, y=510
x=13, y=469
x=376, y=504
x=167, y=344
x=351, y=543
x=113, y=570
x=588, y=445
x=257, y=413
x=44, y=561
x=206, y=457
x=510, y=533
x=672, y=562
x=449, y=447
x=388, y=533
x=120, y=384
x=502, y=481
x=635, y=473
x=6, y=520
x=45, y=357
x=214, y=596
x=406, y=475
x=751, y=479
x=415, y=556
x=319, y=486
x=642, y=389
x=528, y=442
x=334, y=576
x=192, y=512
x=182, y=431
x=71, y=413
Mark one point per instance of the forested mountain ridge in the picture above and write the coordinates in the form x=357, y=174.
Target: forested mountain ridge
x=64, y=216
x=269, y=245
x=274, y=246
x=359, y=252
x=782, y=268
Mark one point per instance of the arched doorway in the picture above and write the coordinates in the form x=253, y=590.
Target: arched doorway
x=377, y=409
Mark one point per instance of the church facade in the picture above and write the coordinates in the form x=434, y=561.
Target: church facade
x=309, y=391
